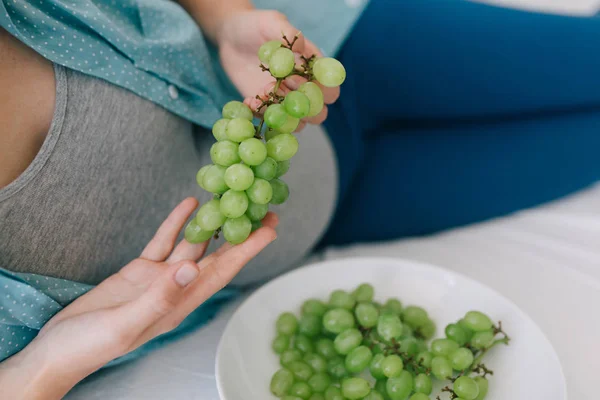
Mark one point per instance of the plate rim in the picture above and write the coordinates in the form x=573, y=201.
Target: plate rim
x=380, y=259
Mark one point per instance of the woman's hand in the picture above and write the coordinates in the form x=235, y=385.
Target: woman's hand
x=239, y=38
x=148, y=297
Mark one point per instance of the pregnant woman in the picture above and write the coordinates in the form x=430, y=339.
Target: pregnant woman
x=452, y=112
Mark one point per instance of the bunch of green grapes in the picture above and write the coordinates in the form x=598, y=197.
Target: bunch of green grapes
x=250, y=158
x=326, y=353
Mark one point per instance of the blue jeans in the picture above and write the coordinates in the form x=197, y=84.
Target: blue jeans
x=455, y=112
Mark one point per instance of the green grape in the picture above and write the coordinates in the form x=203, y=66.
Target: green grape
x=214, y=179
x=409, y=346
x=267, y=49
x=375, y=367
x=240, y=129
x=310, y=325
x=341, y=299
x=301, y=390
x=355, y=388
x=419, y=396
x=374, y=396
x=482, y=340
x=256, y=212
x=414, y=316
x=366, y=315
x=316, y=362
x=282, y=147
x=398, y=388
x=317, y=396
x=466, y=388
x=336, y=368
x=338, y=320
x=441, y=368
x=233, y=203
x=281, y=382
x=290, y=125
x=296, y=104
x=289, y=356
x=287, y=324
x=266, y=170
x=194, y=234
x=443, y=347
x=281, y=343
x=381, y=387
x=389, y=327
x=282, y=168
x=237, y=109
x=358, y=359
x=282, y=62
x=392, y=366
x=301, y=370
x=477, y=321
x=256, y=225
x=239, y=177
x=260, y=192
x=237, y=230
x=224, y=153
x=252, y=151
x=329, y=72
x=319, y=382
x=482, y=384
x=407, y=331
x=427, y=331
x=280, y=191
x=424, y=358
x=200, y=175
x=348, y=340
x=423, y=384
x=304, y=344
x=394, y=306
x=461, y=359
x=271, y=133
x=457, y=333
x=325, y=348
x=314, y=307
x=315, y=97
x=219, y=129
x=364, y=293
x=333, y=393
x=421, y=345
x=275, y=116
x=288, y=397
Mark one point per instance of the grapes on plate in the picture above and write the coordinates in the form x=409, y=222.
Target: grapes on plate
x=349, y=346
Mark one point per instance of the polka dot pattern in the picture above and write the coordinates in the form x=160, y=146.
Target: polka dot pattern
x=27, y=302
x=153, y=47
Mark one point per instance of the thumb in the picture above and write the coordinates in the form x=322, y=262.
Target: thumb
x=161, y=298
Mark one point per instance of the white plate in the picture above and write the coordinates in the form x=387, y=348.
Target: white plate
x=527, y=369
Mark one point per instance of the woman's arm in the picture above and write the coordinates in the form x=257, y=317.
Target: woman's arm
x=211, y=14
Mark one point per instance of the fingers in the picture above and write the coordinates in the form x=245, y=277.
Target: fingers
x=222, y=268
x=188, y=251
x=163, y=241
x=161, y=298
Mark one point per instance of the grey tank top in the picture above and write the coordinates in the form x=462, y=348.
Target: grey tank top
x=113, y=166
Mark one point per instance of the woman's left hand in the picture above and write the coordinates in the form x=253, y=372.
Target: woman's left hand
x=146, y=298
x=239, y=38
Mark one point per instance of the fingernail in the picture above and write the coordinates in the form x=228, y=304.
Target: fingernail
x=186, y=275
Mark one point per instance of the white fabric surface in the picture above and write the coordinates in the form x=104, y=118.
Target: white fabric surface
x=545, y=260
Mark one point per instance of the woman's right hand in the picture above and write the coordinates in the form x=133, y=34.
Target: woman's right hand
x=148, y=297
